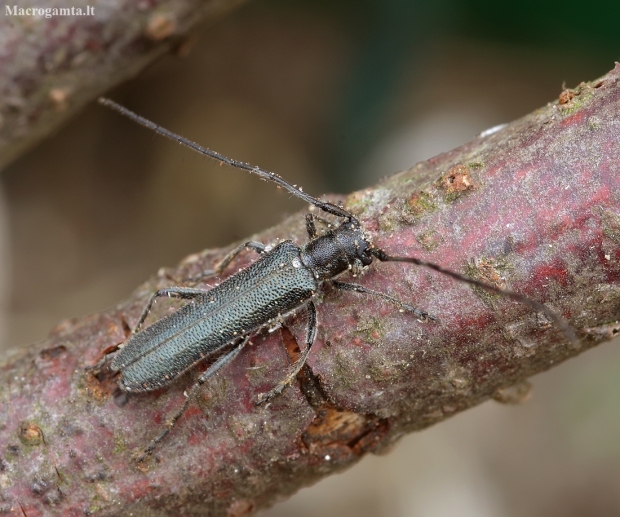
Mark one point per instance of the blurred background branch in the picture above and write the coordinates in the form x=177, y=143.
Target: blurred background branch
x=52, y=66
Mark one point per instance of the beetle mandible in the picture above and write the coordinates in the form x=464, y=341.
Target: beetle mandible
x=284, y=279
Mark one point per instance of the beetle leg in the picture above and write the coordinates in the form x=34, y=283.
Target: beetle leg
x=178, y=292
x=343, y=286
x=212, y=370
x=189, y=292
x=223, y=264
x=311, y=227
x=265, y=397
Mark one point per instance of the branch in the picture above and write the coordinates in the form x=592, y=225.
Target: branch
x=533, y=207
x=52, y=67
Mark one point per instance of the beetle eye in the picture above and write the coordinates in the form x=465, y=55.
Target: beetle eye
x=363, y=253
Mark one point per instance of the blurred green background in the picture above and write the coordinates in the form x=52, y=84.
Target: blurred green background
x=333, y=96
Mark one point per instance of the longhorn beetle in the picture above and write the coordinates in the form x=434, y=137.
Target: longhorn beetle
x=283, y=279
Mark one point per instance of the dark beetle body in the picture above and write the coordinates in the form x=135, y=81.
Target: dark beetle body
x=277, y=283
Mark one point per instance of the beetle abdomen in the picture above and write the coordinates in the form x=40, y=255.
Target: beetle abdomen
x=275, y=284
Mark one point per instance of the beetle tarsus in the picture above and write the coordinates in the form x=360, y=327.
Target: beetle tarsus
x=311, y=335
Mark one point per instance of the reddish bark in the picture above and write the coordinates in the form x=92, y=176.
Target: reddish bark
x=534, y=207
x=51, y=67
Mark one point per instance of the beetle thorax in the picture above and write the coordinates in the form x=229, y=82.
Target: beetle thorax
x=336, y=251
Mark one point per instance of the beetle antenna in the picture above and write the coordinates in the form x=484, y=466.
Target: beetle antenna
x=266, y=175
x=559, y=321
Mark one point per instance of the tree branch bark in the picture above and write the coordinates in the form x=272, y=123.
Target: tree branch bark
x=533, y=207
x=51, y=67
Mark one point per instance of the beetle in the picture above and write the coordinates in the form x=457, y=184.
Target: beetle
x=284, y=279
